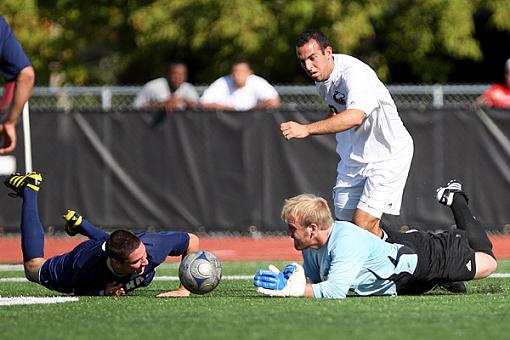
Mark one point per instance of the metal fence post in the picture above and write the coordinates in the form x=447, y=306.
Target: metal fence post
x=437, y=94
x=106, y=98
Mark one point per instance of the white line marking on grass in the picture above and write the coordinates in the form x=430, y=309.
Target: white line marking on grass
x=10, y=267
x=32, y=300
x=13, y=279
x=157, y=278
x=500, y=275
x=228, y=277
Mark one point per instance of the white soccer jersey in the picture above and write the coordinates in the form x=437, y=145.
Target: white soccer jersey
x=354, y=85
x=157, y=91
x=223, y=91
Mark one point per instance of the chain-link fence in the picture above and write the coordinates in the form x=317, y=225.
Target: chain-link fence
x=120, y=98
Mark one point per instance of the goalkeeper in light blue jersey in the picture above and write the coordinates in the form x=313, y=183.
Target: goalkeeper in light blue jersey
x=340, y=257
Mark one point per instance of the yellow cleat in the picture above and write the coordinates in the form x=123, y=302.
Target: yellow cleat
x=17, y=182
x=73, y=221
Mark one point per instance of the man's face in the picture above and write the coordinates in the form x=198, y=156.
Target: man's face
x=301, y=235
x=135, y=263
x=240, y=73
x=317, y=64
x=177, y=74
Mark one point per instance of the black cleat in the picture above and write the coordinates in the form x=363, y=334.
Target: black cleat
x=458, y=287
x=444, y=195
x=17, y=182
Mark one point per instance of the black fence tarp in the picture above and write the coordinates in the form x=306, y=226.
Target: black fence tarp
x=217, y=171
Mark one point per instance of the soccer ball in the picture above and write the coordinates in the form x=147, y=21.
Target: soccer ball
x=200, y=272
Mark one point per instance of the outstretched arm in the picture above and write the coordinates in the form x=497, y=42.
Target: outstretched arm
x=342, y=121
x=194, y=245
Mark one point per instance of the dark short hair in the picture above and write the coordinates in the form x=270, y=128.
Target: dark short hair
x=176, y=62
x=238, y=61
x=121, y=243
x=315, y=34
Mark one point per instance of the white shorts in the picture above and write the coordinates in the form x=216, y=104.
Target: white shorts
x=375, y=188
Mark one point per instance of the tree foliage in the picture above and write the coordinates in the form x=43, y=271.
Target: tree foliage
x=131, y=41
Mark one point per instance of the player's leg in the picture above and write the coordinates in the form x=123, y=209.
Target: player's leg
x=382, y=192
x=485, y=265
x=453, y=196
x=32, y=231
x=76, y=224
x=347, y=192
x=349, y=189
x=368, y=222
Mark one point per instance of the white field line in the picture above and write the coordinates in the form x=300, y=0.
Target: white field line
x=32, y=300
x=19, y=267
x=157, y=278
x=227, y=277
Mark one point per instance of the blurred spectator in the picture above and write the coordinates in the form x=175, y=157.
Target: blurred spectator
x=498, y=95
x=20, y=77
x=172, y=93
x=240, y=91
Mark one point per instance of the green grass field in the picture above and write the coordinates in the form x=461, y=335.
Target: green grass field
x=235, y=311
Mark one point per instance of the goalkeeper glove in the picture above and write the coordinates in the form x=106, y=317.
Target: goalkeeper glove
x=274, y=283
x=289, y=269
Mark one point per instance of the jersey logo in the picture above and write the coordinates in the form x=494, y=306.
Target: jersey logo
x=468, y=265
x=135, y=282
x=339, y=98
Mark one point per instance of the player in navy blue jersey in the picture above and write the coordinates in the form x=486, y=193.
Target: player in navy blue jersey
x=106, y=264
x=19, y=76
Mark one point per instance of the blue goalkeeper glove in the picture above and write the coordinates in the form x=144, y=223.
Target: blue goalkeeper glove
x=289, y=269
x=271, y=279
x=274, y=283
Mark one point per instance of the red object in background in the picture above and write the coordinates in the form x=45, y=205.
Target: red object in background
x=8, y=94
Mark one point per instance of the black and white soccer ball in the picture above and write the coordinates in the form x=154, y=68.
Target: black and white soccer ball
x=200, y=272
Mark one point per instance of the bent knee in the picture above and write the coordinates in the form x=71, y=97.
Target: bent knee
x=32, y=268
x=485, y=265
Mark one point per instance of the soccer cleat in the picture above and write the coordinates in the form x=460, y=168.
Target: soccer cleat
x=17, y=182
x=444, y=195
x=458, y=287
x=73, y=221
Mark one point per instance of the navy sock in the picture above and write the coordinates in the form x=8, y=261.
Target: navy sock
x=476, y=235
x=91, y=231
x=32, y=231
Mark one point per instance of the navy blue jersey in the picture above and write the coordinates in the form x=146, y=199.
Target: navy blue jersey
x=12, y=57
x=83, y=270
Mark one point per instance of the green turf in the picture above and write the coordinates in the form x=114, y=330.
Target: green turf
x=235, y=311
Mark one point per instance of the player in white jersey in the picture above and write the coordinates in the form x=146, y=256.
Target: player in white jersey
x=340, y=257
x=374, y=146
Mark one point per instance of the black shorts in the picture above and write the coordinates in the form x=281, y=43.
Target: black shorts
x=443, y=257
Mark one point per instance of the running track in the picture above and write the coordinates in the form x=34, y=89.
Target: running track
x=227, y=249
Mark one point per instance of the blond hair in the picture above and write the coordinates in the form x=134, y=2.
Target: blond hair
x=307, y=209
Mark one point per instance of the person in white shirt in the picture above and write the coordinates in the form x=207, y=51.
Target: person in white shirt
x=374, y=146
x=171, y=93
x=240, y=91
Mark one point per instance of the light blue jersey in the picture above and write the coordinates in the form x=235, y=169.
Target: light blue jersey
x=354, y=259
